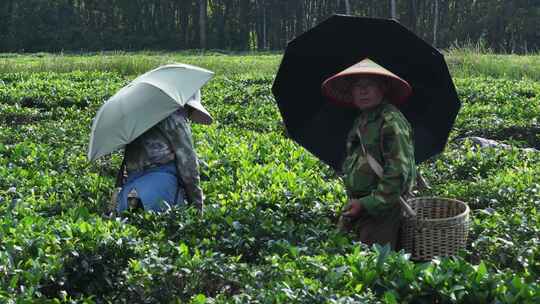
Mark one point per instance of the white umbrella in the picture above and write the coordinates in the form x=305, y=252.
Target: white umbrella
x=144, y=102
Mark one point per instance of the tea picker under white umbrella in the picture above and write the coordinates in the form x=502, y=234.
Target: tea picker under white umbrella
x=144, y=102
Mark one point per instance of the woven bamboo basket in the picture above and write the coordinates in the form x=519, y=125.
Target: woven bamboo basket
x=440, y=228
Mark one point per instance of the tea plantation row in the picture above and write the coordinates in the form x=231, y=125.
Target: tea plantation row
x=268, y=233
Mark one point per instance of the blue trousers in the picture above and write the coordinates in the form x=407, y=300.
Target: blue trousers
x=157, y=188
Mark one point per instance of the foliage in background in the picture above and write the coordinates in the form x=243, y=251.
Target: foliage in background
x=471, y=60
x=83, y=25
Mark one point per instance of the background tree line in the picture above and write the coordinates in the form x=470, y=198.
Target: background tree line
x=55, y=25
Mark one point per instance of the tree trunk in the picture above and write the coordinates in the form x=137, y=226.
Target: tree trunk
x=414, y=15
x=203, y=8
x=347, y=7
x=265, y=37
x=300, y=18
x=435, y=21
x=184, y=22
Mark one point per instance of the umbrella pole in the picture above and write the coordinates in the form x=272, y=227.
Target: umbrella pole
x=121, y=173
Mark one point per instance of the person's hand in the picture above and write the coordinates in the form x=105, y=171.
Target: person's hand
x=200, y=207
x=353, y=209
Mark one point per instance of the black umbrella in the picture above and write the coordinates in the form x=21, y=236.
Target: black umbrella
x=341, y=41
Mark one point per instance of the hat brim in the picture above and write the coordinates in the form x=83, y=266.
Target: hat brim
x=200, y=114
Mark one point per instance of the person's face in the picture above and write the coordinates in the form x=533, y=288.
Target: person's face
x=367, y=92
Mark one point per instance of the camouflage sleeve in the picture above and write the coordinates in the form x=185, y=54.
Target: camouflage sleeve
x=178, y=132
x=398, y=168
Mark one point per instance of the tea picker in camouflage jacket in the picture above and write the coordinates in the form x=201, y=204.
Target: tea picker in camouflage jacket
x=380, y=131
x=161, y=164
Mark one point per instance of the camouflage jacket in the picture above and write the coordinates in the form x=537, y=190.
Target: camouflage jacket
x=386, y=135
x=170, y=139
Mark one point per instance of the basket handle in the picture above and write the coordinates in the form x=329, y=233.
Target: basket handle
x=378, y=169
x=407, y=207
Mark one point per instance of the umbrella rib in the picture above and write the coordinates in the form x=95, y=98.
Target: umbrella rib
x=94, y=126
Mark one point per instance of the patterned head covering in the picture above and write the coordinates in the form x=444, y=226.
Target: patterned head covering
x=200, y=114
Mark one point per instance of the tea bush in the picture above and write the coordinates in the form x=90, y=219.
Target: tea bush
x=268, y=232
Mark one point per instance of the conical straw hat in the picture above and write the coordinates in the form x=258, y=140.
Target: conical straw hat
x=337, y=87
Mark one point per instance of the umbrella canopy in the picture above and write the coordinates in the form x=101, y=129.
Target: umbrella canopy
x=143, y=103
x=340, y=42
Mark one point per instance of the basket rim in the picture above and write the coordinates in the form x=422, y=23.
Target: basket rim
x=463, y=214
